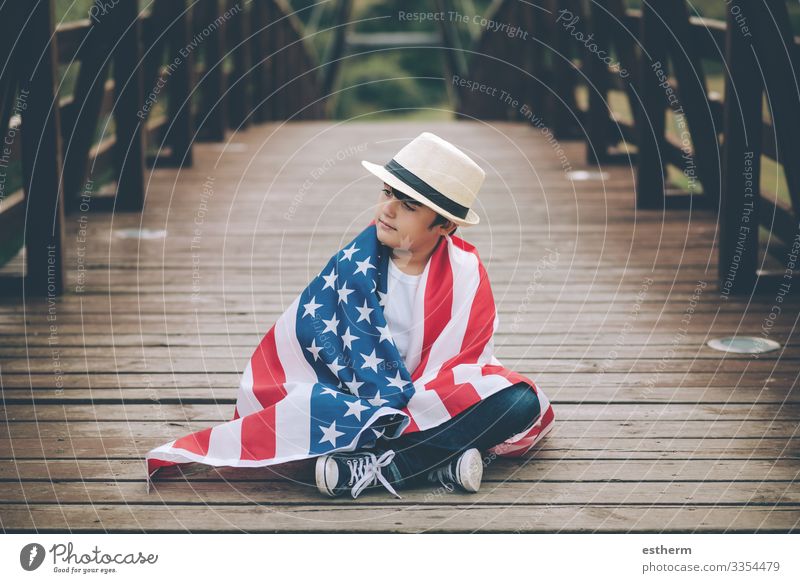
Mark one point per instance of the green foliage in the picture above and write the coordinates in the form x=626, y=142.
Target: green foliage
x=384, y=82
x=397, y=82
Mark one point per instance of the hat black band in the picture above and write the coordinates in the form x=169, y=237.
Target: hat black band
x=426, y=189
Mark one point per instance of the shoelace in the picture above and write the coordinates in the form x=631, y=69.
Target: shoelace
x=366, y=471
x=444, y=476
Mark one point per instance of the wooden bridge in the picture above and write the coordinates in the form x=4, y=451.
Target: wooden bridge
x=144, y=297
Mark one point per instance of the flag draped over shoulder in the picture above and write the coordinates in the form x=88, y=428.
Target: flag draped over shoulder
x=328, y=377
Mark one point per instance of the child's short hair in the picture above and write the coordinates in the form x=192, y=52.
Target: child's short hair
x=439, y=220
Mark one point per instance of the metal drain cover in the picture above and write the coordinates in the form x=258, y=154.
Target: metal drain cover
x=744, y=344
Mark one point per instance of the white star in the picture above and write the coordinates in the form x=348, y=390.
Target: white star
x=348, y=253
x=311, y=308
x=383, y=297
x=348, y=338
x=330, y=434
x=330, y=391
x=385, y=333
x=336, y=367
x=370, y=360
x=353, y=385
x=344, y=292
x=330, y=279
x=355, y=408
x=378, y=433
x=377, y=401
x=363, y=266
x=364, y=312
x=397, y=381
x=330, y=325
x=314, y=349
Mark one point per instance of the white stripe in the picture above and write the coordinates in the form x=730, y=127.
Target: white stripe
x=246, y=401
x=225, y=443
x=290, y=353
x=464, y=266
x=544, y=402
x=484, y=385
x=427, y=409
x=425, y=406
x=488, y=351
x=417, y=332
x=293, y=420
x=293, y=412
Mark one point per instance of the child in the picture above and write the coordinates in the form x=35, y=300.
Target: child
x=413, y=219
x=406, y=295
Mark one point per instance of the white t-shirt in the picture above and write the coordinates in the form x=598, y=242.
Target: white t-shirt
x=401, y=290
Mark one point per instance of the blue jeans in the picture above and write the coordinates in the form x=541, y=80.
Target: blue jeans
x=483, y=425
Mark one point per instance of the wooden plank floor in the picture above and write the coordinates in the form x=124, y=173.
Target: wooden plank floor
x=607, y=307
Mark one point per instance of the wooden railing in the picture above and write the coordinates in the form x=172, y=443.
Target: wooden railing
x=189, y=71
x=654, y=59
x=183, y=72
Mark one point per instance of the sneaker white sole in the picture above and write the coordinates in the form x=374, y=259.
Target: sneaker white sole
x=470, y=470
x=323, y=472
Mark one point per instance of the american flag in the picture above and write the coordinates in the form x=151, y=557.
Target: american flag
x=328, y=376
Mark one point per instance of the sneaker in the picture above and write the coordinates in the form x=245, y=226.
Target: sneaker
x=338, y=472
x=465, y=471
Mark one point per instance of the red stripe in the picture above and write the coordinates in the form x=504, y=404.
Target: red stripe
x=154, y=464
x=480, y=324
x=462, y=244
x=548, y=417
x=268, y=373
x=411, y=427
x=529, y=440
x=195, y=442
x=455, y=398
x=513, y=377
x=258, y=433
x=478, y=332
x=438, y=302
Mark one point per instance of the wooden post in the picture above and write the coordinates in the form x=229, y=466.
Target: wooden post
x=563, y=109
x=738, y=221
x=651, y=118
x=694, y=106
x=531, y=87
x=332, y=61
x=597, y=119
x=129, y=145
x=239, y=79
x=179, y=130
x=539, y=93
x=79, y=120
x=280, y=69
x=780, y=67
x=261, y=63
x=212, y=114
x=453, y=54
x=41, y=155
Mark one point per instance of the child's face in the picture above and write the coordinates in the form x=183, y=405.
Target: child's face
x=408, y=223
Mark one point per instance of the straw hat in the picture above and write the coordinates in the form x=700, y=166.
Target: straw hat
x=437, y=174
